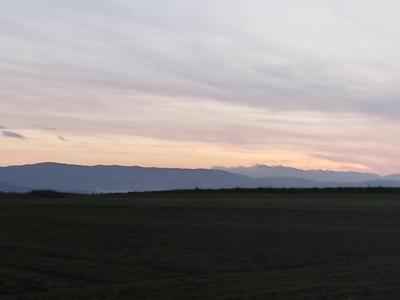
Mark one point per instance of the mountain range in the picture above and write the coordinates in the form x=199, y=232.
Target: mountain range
x=100, y=178
x=264, y=171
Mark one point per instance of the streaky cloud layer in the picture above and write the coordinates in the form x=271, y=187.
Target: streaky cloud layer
x=311, y=83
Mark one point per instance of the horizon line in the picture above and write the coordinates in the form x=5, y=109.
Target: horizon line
x=215, y=167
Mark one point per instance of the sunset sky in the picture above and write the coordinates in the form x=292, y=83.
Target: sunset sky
x=313, y=84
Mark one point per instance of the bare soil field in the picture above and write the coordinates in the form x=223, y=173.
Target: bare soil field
x=227, y=244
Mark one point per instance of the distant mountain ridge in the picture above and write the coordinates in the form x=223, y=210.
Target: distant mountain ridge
x=100, y=178
x=264, y=171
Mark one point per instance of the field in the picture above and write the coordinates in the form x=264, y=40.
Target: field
x=233, y=244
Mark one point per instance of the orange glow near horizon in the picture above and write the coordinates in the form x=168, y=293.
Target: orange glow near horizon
x=212, y=134
x=151, y=152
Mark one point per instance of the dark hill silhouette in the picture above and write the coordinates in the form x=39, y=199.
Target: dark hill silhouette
x=63, y=177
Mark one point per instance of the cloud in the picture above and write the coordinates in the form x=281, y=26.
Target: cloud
x=49, y=129
x=12, y=134
x=199, y=51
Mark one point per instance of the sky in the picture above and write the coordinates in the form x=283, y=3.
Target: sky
x=312, y=84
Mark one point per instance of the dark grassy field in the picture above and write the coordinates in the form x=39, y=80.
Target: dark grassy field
x=335, y=244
